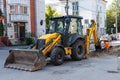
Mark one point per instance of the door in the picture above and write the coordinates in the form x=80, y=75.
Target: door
x=22, y=33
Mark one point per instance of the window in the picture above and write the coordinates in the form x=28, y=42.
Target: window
x=100, y=20
x=60, y=27
x=75, y=8
x=11, y=9
x=14, y=9
x=16, y=29
x=52, y=26
x=23, y=10
x=18, y=9
x=80, y=27
x=56, y=25
x=73, y=26
x=86, y=21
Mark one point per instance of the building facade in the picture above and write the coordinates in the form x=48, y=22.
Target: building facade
x=88, y=9
x=1, y=5
x=24, y=17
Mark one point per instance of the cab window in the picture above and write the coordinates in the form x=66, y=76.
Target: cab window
x=79, y=27
x=73, y=26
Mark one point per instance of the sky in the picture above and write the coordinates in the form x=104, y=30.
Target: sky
x=109, y=2
x=50, y=1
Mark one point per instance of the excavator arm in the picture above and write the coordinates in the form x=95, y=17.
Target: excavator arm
x=90, y=31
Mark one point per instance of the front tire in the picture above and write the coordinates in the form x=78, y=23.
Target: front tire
x=78, y=50
x=57, y=56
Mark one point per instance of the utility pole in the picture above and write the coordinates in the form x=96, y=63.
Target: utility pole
x=67, y=7
x=116, y=22
x=116, y=17
x=98, y=16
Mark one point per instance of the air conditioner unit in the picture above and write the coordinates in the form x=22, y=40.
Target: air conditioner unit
x=10, y=24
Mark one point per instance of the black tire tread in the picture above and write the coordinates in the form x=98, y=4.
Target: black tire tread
x=53, y=55
x=75, y=55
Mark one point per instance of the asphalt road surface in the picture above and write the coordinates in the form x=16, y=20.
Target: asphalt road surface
x=100, y=68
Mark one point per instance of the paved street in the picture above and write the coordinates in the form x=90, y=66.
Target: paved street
x=103, y=68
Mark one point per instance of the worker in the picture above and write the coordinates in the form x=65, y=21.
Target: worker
x=107, y=46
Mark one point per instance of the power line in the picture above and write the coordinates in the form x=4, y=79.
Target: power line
x=84, y=9
x=90, y=10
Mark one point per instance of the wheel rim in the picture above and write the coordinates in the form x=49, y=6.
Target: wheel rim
x=80, y=50
x=59, y=57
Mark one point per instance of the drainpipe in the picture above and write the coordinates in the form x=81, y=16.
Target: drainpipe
x=66, y=7
x=98, y=15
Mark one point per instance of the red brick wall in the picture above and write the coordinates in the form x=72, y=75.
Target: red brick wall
x=32, y=16
x=5, y=19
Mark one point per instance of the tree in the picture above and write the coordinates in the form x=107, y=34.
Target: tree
x=110, y=21
x=111, y=17
x=50, y=12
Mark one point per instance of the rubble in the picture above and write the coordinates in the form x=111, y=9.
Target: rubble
x=113, y=51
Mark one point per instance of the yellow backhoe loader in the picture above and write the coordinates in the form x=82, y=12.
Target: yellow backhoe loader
x=64, y=37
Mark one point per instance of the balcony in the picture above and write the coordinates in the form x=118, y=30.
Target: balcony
x=18, y=17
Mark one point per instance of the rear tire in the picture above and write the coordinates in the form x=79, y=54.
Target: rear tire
x=78, y=50
x=57, y=56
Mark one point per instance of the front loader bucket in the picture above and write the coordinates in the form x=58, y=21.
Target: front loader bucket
x=25, y=59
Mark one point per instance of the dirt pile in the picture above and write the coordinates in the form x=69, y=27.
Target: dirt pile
x=114, y=51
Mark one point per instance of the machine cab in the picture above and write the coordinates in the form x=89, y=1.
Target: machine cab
x=70, y=27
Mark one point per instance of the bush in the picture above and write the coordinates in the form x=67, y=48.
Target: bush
x=10, y=44
x=29, y=41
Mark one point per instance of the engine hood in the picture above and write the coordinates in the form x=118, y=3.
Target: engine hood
x=48, y=37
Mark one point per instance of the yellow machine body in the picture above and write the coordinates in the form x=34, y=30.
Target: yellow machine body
x=34, y=58
x=91, y=31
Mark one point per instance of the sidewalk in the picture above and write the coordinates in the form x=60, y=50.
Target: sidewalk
x=13, y=47
x=112, y=43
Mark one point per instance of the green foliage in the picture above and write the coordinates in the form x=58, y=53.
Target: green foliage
x=111, y=14
x=10, y=44
x=50, y=12
x=29, y=40
x=110, y=21
x=1, y=29
x=29, y=34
